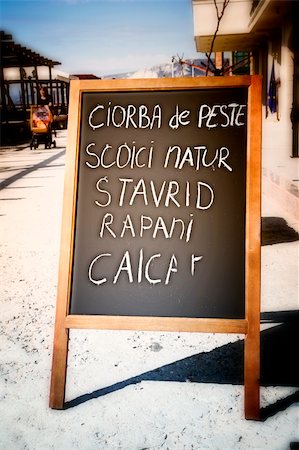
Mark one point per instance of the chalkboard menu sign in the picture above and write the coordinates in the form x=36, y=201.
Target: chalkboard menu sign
x=161, y=218
x=160, y=214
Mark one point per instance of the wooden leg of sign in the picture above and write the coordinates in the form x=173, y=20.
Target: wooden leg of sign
x=252, y=374
x=59, y=365
x=253, y=257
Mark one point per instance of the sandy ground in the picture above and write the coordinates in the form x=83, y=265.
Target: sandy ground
x=168, y=389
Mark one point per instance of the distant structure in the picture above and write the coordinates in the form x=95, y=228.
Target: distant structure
x=236, y=64
x=172, y=69
x=87, y=76
x=22, y=72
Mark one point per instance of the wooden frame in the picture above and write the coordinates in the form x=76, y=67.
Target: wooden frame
x=248, y=326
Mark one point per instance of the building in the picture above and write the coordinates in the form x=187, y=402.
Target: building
x=84, y=76
x=268, y=29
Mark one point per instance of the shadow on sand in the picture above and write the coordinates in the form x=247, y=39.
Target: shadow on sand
x=224, y=365
x=275, y=230
x=26, y=171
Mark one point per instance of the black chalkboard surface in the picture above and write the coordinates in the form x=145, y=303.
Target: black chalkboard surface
x=161, y=204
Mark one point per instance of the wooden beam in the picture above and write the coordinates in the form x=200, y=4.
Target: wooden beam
x=253, y=265
x=60, y=350
x=157, y=324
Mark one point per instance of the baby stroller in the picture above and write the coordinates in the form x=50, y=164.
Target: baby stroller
x=41, y=127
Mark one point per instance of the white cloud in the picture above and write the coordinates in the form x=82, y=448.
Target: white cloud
x=144, y=74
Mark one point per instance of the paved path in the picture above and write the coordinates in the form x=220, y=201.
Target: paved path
x=127, y=390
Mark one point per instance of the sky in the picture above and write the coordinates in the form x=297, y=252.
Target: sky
x=102, y=37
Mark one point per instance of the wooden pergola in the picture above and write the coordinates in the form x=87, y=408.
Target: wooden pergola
x=19, y=93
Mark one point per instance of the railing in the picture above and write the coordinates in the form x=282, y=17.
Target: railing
x=255, y=4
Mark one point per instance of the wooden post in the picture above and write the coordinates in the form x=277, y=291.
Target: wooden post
x=3, y=94
x=253, y=225
x=59, y=365
x=51, y=81
x=218, y=60
x=21, y=70
x=61, y=334
x=62, y=94
x=36, y=84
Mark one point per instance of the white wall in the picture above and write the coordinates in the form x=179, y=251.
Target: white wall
x=280, y=170
x=235, y=19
